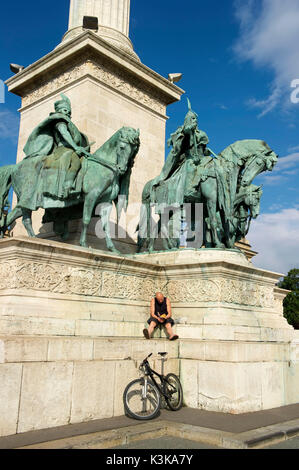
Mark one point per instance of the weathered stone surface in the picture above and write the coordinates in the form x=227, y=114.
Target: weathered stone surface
x=36, y=326
x=125, y=372
x=46, y=395
x=273, y=394
x=93, y=391
x=23, y=349
x=190, y=382
x=70, y=349
x=10, y=387
x=229, y=388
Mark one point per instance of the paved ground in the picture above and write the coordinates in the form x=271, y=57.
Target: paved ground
x=178, y=443
x=220, y=429
x=166, y=443
x=289, y=444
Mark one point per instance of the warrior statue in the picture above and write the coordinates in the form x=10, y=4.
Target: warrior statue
x=222, y=183
x=60, y=175
x=188, y=143
x=58, y=139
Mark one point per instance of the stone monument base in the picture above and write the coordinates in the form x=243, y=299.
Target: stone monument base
x=71, y=322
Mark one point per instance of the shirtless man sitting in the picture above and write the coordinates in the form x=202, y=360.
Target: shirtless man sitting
x=160, y=314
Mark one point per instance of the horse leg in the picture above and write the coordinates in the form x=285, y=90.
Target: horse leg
x=209, y=192
x=61, y=229
x=27, y=222
x=66, y=233
x=165, y=236
x=12, y=216
x=152, y=233
x=143, y=229
x=214, y=223
x=105, y=216
x=89, y=204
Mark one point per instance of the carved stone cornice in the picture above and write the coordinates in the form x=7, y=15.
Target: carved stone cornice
x=104, y=72
x=51, y=267
x=72, y=60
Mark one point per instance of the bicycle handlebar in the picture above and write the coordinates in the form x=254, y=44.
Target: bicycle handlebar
x=145, y=360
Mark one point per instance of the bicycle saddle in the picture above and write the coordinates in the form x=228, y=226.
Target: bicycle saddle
x=163, y=353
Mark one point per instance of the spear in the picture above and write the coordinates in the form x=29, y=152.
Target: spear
x=214, y=154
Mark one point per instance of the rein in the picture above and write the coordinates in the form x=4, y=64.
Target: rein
x=116, y=169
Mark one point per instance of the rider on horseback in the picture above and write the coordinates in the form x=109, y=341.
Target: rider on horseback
x=188, y=143
x=58, y=139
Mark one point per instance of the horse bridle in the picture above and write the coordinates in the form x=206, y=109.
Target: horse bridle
x=117, y=170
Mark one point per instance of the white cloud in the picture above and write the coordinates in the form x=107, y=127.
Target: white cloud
x=9, y=124
x=269, y=37
x=285, y=163
x=276, y=238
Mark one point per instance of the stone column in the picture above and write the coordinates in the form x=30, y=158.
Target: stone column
x=112, y=13
x=114, y=21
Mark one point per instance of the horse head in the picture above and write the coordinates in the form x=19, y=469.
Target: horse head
x=253, y=200
x=127, y=147
x=261, y=159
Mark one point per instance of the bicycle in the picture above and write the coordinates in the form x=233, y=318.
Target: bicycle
x=143, y=397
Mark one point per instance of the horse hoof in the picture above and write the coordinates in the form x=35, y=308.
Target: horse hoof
x=65, y=237
x=115, y=251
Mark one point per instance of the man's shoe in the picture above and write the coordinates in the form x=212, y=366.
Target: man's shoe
x=146, y=334
x=173, y=338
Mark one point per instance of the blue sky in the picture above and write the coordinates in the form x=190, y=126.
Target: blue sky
x=238, y=59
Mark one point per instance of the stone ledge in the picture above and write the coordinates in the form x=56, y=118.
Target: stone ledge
x=16, y=349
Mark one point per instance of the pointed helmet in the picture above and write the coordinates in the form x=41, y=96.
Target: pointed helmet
x=63, y=103
x=190, y=113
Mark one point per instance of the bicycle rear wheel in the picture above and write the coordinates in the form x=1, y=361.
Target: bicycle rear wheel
x=174, y=392
x=139, y=403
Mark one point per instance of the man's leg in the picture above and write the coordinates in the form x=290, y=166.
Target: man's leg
x=148, y=333
x=170, y=333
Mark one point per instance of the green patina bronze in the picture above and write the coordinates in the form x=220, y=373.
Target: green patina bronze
x=60, y=175
x=223, y=183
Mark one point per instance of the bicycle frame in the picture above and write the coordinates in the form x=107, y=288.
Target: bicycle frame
x=149, y=372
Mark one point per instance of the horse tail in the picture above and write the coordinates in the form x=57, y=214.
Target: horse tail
x=143, y=226
x=5, y=185
x=146, y=193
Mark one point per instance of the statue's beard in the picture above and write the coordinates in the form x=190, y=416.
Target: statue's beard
x=190, y=127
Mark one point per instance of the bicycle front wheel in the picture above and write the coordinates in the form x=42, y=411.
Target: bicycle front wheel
x=141, y=403
x=174, y=392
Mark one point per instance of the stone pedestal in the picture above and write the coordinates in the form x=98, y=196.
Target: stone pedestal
x=69, y=317
x=246, y=248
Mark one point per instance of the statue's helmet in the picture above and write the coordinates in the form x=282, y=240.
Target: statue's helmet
x=190, y=115
x=64, y=103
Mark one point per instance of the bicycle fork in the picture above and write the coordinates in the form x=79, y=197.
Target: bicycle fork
x=144, y=394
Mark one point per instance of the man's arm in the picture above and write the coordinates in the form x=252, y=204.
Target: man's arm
x=169, y=311
x=61, y=127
